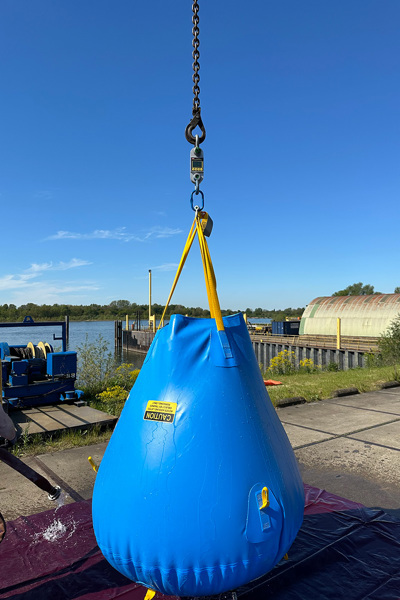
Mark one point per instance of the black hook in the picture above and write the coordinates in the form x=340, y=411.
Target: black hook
x=196, y=121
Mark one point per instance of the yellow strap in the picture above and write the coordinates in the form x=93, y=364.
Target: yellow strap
x=149, y=594
x=186, y=249
x=209, y=275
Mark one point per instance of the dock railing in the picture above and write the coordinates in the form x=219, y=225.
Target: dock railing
x=365, y=344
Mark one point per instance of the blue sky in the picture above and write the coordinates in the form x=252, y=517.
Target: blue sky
x=301, y=105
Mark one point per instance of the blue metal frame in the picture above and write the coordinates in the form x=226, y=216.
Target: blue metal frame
x=50, y=391
x=29, y=322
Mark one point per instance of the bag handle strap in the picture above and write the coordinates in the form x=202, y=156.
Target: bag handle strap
x=200, y=220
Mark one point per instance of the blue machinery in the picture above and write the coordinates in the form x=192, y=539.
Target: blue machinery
x=34, y=375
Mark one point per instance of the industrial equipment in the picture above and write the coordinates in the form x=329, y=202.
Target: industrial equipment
x=285, y=327
x=34, y=374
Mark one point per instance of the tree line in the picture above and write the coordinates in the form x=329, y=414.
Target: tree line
x=361, y=289
x=117, y=309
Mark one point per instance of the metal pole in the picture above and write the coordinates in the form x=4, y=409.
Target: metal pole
x=67, y=329
x=63, y=336
x=338, y=334
x=149, y=296
x=127, y=322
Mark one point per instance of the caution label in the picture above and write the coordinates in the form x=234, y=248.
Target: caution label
x=160, y=411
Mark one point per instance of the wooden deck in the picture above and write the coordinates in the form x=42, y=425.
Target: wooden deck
x=52, y=419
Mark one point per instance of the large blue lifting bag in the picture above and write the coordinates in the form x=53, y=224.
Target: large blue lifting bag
x=197, y=452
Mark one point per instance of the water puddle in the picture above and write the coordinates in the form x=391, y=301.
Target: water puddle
x=58, y=528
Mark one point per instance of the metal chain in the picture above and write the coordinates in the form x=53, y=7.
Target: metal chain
x=196, y=56
x=196, y=111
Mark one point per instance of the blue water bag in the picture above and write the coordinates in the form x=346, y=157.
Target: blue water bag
x=198, y=491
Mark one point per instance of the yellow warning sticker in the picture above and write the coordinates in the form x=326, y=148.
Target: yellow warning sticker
x=160, y=411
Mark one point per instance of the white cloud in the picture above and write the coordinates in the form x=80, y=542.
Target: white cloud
x=97, y=234
x=29, y=285
x=60, y=266
x=119, y=233
x=162, y=232
x=166, y=267
x=13, y=282
x=41, y=292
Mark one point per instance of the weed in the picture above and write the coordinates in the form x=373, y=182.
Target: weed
x=372, y=359
x=38, y=444
x=307, y=366
x=332, y=366
x=282, y=363
x=96, y=365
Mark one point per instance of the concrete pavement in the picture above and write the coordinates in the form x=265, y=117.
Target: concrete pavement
x=349, y=446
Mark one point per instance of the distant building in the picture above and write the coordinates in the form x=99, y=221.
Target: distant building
x=367, y=316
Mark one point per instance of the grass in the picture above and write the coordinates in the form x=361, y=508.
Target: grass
x=32, y=445
x=320, y=386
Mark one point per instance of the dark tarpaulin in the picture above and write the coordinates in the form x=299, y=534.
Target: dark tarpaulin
x=343, y=551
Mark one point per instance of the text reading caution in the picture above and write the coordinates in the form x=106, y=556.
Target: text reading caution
x=160, y=411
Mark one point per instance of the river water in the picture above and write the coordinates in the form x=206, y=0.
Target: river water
x=79, y=332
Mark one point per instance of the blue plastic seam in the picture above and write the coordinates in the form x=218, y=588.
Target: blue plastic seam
x=225, y=344
x=125, y=561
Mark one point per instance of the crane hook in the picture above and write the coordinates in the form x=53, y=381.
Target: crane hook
x=196, y=121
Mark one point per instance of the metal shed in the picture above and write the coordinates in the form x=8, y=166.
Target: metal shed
x=360, y=315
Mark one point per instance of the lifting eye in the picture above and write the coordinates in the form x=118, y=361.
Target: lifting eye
x=264, y=498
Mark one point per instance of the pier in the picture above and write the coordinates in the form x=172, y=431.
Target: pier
x=322, y=350
x=134, y=340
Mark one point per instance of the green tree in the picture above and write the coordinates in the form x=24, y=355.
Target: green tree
x=397, y=290
x=389, y=343
x=120, y=304
x=356, y=289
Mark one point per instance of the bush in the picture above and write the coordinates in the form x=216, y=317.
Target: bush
x=125, y=376
x=373, y=360
x=282, y=363
x=96, y=365
x=307, y=366
x=113, y=398
x=389, y=343
x=332, y=366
